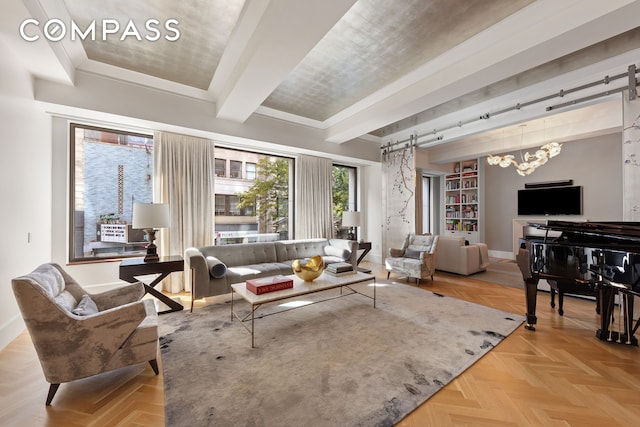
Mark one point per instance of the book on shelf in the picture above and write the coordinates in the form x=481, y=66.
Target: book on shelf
x=269, y=284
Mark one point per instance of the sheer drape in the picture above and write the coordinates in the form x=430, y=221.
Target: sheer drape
x=184, y=178
x=313, y=194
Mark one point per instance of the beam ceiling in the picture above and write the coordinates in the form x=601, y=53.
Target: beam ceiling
x=355, y=69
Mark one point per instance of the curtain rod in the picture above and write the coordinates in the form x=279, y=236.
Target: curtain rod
x=412, y=141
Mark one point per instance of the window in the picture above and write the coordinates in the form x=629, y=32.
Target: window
x=250, y=171
x=111, y=170
x=221, y=205
x=228, y=205
x=234, y=209
x=255, y=208
x=221, y=168
x=344, y=196
x=426, y=204
x=249, y=210
x=235, y=169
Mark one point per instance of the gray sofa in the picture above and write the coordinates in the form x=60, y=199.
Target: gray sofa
x=214, y=268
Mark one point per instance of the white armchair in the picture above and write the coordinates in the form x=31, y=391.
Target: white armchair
x=416, y=258
x=458, y=257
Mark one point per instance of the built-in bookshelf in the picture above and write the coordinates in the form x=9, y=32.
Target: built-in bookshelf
x=462, y=201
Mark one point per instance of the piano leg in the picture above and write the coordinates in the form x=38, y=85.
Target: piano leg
x=530, y=287
x=606, y=302
x=531, y=295
x=628, y=337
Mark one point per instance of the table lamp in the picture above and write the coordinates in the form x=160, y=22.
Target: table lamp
x=351, y=219
x=150, y=217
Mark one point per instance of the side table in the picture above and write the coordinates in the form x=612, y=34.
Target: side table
x=366, y=248
x=132, y=267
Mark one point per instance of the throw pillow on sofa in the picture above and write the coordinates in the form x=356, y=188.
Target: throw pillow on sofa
x=411, y=253
x=217, y=269
x=337, y=252
x=65, y=300
x=85, y=307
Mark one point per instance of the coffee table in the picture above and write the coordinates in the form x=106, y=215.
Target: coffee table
x=300, y=287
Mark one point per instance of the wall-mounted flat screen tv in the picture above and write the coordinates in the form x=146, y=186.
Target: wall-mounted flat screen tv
x=550, y=201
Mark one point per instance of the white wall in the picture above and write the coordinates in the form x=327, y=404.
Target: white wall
x=111, y=100
x=594, y=163
x=25, y=187
x=371, y=189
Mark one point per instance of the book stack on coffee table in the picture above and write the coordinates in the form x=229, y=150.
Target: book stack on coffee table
x=269, y=284
x=339, y=269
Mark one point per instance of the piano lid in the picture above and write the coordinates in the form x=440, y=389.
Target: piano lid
x=614, y=232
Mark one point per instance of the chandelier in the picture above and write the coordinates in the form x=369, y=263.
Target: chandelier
x=529, y=162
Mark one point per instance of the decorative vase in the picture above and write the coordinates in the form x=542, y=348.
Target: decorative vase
x=308, y=269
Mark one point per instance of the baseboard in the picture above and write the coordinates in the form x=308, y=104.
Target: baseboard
x=374, y=258
x=501, y=254
x=103, y=287
x=10, y=330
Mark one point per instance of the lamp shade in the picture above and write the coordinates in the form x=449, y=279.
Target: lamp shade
x=150, y=215
x=350, y=219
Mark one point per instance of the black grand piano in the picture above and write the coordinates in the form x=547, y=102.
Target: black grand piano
x=602, y=258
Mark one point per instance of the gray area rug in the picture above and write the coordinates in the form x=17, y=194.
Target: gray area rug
x=340, y=362
x=504, y=273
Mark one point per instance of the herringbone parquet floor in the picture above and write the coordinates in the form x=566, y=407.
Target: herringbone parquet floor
x=559, y=375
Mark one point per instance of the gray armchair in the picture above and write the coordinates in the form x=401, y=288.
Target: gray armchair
x=76, y=334
x=416, y=258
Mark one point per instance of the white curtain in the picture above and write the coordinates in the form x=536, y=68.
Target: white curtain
x=314, y=203
x=184, y=178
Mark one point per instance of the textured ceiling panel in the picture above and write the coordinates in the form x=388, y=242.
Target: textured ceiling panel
x=375, y=43
x=618, y=45
x=204, y=25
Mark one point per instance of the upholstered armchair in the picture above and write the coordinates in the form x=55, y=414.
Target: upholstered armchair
x=76, y=334
x=416, y=258
x=457, y=256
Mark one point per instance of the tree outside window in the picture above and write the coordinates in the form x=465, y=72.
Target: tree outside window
x=344, y=196
x=269, y=194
